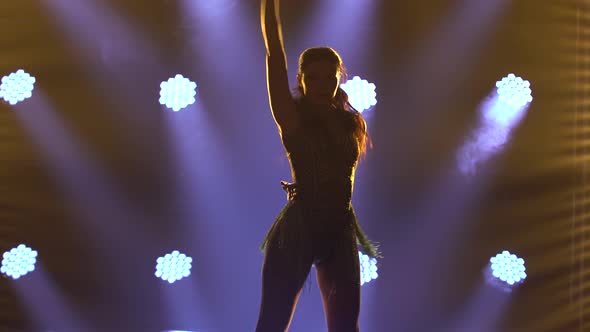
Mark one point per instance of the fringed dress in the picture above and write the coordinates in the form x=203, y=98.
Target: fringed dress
x=323, y=155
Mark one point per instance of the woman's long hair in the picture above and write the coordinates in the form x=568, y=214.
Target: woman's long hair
x=340, y=102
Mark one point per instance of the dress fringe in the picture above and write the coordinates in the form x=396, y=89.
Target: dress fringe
x=296, y=220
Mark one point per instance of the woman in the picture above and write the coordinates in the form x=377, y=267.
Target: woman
x=324, y=137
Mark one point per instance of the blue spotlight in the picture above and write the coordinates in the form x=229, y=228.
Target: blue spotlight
x=18, y=261
x=368, y=268
x=177, y=93
x=514, y=91
x=17, y=87
x=361, y=94
x=513, y=97
x=506, y=270
x=173, y=266
x=500, y=113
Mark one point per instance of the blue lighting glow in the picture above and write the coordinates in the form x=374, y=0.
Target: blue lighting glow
x=361, y=94
x=18, y=261
x=17, y=87
x=177, y=93
x=500, y=114
x=173, y=266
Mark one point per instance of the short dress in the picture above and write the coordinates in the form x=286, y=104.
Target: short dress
x=323, y=155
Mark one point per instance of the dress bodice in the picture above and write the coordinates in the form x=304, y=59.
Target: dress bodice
x=323, y=155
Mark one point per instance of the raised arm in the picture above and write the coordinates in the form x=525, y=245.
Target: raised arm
x=281, y=102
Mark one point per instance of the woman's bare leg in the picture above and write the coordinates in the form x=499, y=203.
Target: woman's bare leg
x=339, y=281
x=282, y=280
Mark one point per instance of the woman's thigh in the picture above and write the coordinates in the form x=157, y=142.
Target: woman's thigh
x=338, y=277
x=283, y=275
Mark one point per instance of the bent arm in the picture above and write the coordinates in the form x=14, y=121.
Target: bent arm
x=281, y=102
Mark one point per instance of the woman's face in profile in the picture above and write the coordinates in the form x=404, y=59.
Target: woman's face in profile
x=320, y=81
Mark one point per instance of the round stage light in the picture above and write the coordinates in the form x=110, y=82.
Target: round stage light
x=177, y=93
x=18, y=262
x=508, y=268
x=368, y=268
x=361, y=94
x=505, y=271
x=514, y=91
x=173, y=266
x=17, y=87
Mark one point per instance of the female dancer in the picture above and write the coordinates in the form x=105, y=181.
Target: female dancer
x=324, y=137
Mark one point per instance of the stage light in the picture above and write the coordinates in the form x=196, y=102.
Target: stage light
x=368, y=268
x=500, y=114
x=17, y=87
x=514, y=91
x=18, y=262
x=177, y=93
x=508, y=268
x=505, y=271
x=513, y=97
x=361, y=94
x=173, y=266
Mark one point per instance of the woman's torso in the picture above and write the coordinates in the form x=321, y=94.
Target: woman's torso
x=323, y=155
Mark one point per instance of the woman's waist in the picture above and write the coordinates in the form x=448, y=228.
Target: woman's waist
x=324, y=183
x=325, y=196
x=320, y=196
